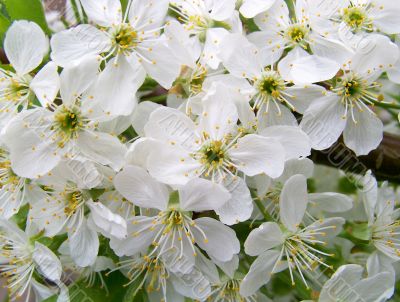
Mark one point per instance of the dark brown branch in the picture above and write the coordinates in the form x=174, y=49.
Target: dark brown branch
x=3, y=57
x=384, y=161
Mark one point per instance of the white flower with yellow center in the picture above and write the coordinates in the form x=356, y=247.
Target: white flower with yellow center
x=131, y=46
x=312, y=57
x=41, y=138
x=217, y=148
x=64, y=210
x=347, y=109
x=25, y=46
x=162, y=280
x=359, y=16
x=361, y=26
x=210, y=21
x=174, y=230
x=289, y=240
x=272, y=97
x=22, y=259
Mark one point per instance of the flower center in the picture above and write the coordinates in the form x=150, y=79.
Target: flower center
x=197, y=80
x=198, y=22
x=358, y=93
x=7, y=175
x=15, y=89
x=74, y=200
x=152, y=268
x=271, y=85
x=214, y=155
x=126, y=37
x=271, y=88
x=229, y=291
x=68, y=122
x=297, y=34
x=356, y=18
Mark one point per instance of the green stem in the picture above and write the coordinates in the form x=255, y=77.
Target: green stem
x=261, y=207
x=387, y=106
x=156, y=99
x=76, y=11
x=392, y=113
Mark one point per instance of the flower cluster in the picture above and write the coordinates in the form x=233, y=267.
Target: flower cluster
x=164, y=145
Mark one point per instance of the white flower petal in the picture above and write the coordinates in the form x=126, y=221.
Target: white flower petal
x=110, y=224
x=147, y=14
x=25, y=46
x=365, y=135
x=219, y=117
x=103, y=12
x=375, y=54
x=260, y=273
x=254, y=154
x=139, y=237
x=84, y=245
x=270, y=45
x=295, y=142
x=46, y=84
x=377, y=288
x=293, y=201
x=117, y=85
x=142, y=114
x=240, y=206
x=73, y=45
x=136, y=185
x=212, y=47
x=200, y=195
x=102, y=148
x=77, y=78
x=313, y=69
x=347, y=275
x=171, y=126
x=240, y=57
x=48, y=263
x=331, y=202
x=160, y=63
x=172, y=165
x=265, y=237
x=186, y=49
x=31, y=155
x=222, y=10
x=385, y=15
x=276, y=116
x=302, y=166
x=220, y=242
x=302, y=97
x=324, y=122
x=251, y=8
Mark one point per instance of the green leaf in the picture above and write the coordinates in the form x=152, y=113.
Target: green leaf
x=31, y=10
x=20, y=217
x=360, y=231
x=4, y=25
x=347, y=185
x=79, y=291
